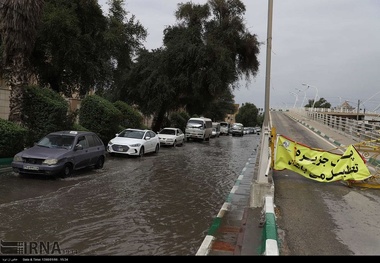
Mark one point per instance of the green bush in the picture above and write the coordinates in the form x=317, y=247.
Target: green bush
x=78, y=127
x=131, y=117
x=11, y=139
x=44, y=111
x=100, y=116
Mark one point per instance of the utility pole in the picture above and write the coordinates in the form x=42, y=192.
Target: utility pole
x=268, y=65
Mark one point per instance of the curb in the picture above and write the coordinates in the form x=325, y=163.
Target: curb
x=270, y=229
x=5, y=164
x=5, y=161
x=210, y=237
x=208, y=241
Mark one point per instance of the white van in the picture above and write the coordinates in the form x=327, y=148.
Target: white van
x=198, y=129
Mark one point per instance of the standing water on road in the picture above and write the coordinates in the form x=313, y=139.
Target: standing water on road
x=160, y=204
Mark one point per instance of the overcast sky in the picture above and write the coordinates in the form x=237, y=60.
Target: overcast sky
x=333, y=46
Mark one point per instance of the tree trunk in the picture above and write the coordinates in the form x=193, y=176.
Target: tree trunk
x=15, y=104
x=158, y=120
x=17, y=78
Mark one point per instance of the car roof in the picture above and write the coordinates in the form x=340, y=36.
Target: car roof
x=131, y=129
x=71, y=133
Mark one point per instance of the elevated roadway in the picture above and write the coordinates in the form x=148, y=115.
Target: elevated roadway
x=311, y=218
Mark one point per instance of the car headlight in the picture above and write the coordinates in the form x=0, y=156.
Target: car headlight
x=17, y=158
x=136, y=145
x=50, y=161
x=110, y=143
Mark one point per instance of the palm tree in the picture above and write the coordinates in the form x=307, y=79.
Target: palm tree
x=18, y=29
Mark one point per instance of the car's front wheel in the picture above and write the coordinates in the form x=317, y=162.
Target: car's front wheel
x=67, y=170
x=141, y=153
x=157, y=148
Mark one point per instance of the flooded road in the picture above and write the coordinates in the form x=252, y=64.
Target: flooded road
x=160, y=204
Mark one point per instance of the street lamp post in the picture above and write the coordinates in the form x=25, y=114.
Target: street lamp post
x=296, y=95
x=298, y=91
x=304, y=97
x=316, y=92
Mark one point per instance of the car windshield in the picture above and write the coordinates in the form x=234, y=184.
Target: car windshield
x=195, y=123
x=167, y=131
x=57, y=141
x=132, y=134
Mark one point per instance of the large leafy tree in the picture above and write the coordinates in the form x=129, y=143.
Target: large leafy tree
x=201, y=61
x=19, y=20
x=71, y=55
x=79, y=49
x=248, y=115
x=220, y=106
x=150, y=87
x=124, y=39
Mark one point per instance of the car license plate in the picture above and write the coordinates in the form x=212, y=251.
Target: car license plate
x=120, y=149
x=29, y=167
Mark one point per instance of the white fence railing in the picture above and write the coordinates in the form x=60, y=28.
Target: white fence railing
x=357, y=129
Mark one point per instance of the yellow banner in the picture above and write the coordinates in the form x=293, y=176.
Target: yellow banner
x=319, y=165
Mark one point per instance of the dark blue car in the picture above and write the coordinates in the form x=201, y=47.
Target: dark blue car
x=60, y=153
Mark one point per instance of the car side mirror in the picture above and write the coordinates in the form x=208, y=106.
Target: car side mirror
x=147, y=138
x=78, y=147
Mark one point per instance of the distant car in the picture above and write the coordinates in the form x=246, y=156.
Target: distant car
x=214, y=133
x=215, y=130
x=237, y=129
x=134, y=142
x=252, y=130
x=249, y=130
x=171, y=137
x=60, y=153
x=224, y=128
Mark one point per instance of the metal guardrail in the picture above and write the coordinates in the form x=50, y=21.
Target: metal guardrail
x=367, y=129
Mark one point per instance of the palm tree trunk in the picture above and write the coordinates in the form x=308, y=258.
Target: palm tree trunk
x=18, y=31
x=17, y=79
x=15, y=104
